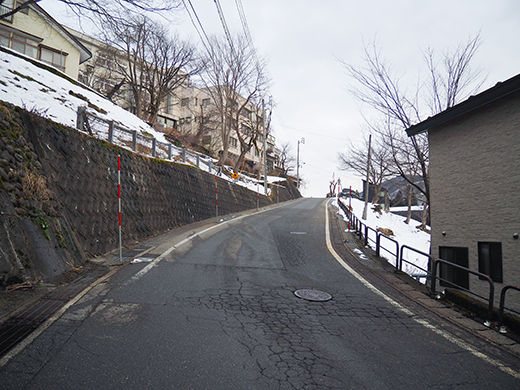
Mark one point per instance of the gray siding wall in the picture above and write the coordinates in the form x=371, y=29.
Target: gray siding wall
x=475, y=188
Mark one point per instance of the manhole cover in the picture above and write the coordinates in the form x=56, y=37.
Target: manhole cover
x=313, y=295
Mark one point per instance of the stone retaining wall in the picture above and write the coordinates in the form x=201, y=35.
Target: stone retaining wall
x=59, y=199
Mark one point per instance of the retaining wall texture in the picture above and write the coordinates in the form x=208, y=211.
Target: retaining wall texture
x=42, y=235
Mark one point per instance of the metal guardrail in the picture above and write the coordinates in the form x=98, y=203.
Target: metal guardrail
x=149, y=146
x=379, y=247
x=427, y=272
x=502, y=306
x=480, y=275
x=362, y=230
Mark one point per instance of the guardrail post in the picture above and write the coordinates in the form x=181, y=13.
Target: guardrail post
x=169, y=151
x=111, y=132
x=378, y=244
x=452, y=283
x=184, y=155
x=366, y=235
x=198, y=162
x=134, y=140
x=80, y=118
x=502, y=306
x=209, y=166
x=434, y=277
x=154, y=147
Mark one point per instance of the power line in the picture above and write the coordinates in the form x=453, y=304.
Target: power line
x=243, y=20
x=224, y=24
x=245, y=27
x=199, y=22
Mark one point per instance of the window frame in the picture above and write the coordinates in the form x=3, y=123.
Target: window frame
x=54, y=53
x=495, y=266
x=454, y=277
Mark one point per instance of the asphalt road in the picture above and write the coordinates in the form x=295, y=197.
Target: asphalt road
x=218, y=311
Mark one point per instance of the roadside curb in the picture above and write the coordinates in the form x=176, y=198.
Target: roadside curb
x=163, y=243
x=418, y=293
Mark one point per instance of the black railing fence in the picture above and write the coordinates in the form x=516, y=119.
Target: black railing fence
x=363, y=232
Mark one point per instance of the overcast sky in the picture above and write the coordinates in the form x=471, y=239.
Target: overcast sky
x=303, y=39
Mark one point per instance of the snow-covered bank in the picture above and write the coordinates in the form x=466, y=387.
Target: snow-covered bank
x=36, y=86
x=404, y=234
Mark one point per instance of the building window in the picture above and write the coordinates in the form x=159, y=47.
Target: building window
x=245, y=112
x=185, y=102
x=53, y=57
x=205, y=102
x=106, y=61
x=168, y=104
x=233, y=142
x=5, y=37
x=490, y=260
x=20, y=42
x=459, y=278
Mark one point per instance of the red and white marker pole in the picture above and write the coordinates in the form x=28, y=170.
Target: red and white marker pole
x=216, y=197
x=119, y=204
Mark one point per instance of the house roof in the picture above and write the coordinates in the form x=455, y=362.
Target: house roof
x=85, y=54
x=500, y=90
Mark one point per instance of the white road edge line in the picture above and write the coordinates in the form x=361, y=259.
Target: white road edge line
x=51, y=320
x=156, y=261
x=397, y=305
x=56, y=316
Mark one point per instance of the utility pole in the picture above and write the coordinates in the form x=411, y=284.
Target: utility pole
x=265, y=147
x=298, y=162
x=366, y=183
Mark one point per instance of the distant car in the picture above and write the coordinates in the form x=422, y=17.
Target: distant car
x=345, y=192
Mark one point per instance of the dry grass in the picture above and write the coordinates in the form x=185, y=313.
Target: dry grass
x=35, y=186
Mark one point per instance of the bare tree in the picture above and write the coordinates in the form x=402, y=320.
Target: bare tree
x=355, y=159
x=154, y=63
x=112, y=11
x=103, y=74
x=287, y=162
x=381, y=89
x=236, y=81
x=249, y=132
x=445, y=88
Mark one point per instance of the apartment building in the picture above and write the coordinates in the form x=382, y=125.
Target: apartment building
x=190, y=115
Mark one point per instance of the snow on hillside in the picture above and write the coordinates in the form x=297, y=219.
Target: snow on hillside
x=56, y=97
x=40, y=88
x=404, y=234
